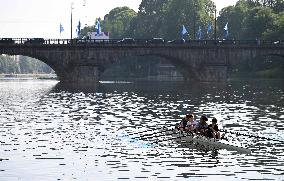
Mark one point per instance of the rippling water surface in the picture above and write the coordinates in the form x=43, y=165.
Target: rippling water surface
x=114, y=131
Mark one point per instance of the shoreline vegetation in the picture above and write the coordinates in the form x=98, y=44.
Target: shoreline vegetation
x=269, y=74
x=273, y=73
x=29, y=76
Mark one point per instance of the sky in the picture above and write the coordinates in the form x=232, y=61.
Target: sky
x=42, y=18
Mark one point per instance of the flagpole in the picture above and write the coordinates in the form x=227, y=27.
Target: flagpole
x=71, y=20
x=194, y=21
x=215, y=22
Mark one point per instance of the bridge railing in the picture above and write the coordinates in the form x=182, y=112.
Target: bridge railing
x=134, y=42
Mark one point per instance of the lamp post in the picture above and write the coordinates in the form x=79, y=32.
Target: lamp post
x=72, y=20
x=215, y=22
x=194, y=20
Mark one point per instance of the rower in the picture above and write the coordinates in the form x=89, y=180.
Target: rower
x=191, y=123
x=183, y=124
x=213, y=130
x=202, y=126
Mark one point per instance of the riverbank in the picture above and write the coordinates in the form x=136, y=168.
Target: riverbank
x=29, y=76
x=275, y=73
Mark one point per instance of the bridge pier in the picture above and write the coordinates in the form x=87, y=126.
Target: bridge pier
x=81, y=74
x=213, y=73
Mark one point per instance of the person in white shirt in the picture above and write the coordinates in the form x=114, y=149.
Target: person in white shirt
x=191, y=123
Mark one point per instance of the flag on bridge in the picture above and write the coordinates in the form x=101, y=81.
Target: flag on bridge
x=209, y=29
x=78, y=30
x=226, y=30
x=183, y=31
x=199, y=33
x=98, y=27
x=61, y=29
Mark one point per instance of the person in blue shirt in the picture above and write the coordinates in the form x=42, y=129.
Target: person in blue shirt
x=202, y=126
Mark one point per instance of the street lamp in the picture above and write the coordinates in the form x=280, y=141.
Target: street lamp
x=72, y=3
x=215, y=21
x=194, y=20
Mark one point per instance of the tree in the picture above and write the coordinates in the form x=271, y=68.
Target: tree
x=276, y=31
x=117, y=22
x=252, y=19
x=257, y=21
x=164, y=19
x=150, y=19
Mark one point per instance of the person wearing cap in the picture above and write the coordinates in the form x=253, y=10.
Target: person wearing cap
x=202, y=126
x=213, y=130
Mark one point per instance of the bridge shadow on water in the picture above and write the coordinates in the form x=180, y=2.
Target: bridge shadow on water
x=259, y=91
x=159, y=87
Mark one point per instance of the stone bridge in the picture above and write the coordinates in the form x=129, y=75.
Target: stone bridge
x=200, y=60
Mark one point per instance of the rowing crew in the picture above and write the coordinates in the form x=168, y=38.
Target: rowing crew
x=188, y=124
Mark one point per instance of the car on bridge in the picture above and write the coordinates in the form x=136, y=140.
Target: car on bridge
x=126, y=41
x=177, y=41
x=156, y=41
x=7, y=41
x=35, y=41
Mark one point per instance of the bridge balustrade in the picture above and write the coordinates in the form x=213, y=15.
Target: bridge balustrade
x=145, y=42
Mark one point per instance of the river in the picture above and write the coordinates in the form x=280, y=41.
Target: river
x=51, y=131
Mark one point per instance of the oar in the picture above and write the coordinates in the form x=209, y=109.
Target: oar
x=152, y=136
x=147, y=136
x=154, y=132
x=251, y=136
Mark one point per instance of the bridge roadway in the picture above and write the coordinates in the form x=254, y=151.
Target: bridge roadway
x=82, y=61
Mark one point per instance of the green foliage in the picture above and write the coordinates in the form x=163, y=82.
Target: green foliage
x=117, y=22
x=257, y=21
x=150, y=19
x=158, y=18
x=276, y=31
x=253, y=19
x=25, y=65
x=85, y=30
x=248, y=19
x=164, y=19
x=8, y=65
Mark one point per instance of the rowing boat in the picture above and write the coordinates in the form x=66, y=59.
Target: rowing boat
x=216, y=143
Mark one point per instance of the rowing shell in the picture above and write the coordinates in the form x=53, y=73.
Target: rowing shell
x=221, y=144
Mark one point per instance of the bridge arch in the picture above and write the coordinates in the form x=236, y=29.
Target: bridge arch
x=25, y=64
x=187, y=71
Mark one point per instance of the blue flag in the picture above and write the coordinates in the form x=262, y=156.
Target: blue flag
x=61, y=29
x=226, y=30
x=209, y=29
x=78, y=28
x=199, y=33
x=98, y=27
x=183, y=31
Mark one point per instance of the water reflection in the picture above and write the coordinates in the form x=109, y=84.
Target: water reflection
x=113, y=131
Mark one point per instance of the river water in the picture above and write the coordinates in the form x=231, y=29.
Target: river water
x=51, y=131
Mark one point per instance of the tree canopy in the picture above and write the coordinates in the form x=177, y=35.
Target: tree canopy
x=254, y=19
x=248, y=19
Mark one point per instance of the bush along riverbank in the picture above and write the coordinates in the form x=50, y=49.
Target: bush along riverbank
x=29, y=76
